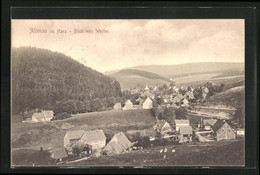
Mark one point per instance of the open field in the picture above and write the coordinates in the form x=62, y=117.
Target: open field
x=51, y=134
x=221, y=153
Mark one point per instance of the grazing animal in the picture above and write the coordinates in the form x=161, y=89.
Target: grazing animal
x=164, y=156
x=173, y=151
x=165, y=150
x=161, y=150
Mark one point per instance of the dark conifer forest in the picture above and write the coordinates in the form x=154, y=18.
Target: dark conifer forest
x=41, y=78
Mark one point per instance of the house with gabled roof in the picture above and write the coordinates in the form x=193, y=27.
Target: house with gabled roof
x=223, y=131
x=118, y=144
x=185, y=133
x=181, y=123
x=72, y=137
x=95, y=139
x=148, y=103
x=162, y=126
x=59, y=154
x=128, y=105
x=43, y=116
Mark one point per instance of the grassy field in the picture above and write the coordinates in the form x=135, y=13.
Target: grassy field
x=221, y=153
x=51, y=134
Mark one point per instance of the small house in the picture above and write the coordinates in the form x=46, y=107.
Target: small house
x=148, y=103
x=185, y=102
x=44, y=116
x=117, y=106
x=118, y=144
x=96, y=139
x=162, y=126
x=59, y=154
x=72, y=137
x=128, y=105
x=190, y=95
x=185, y=133
x=181, y=123
x=223, y=131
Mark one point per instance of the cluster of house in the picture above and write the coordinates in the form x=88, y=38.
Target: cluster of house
x=142, y=104
x=207, y=130
x=181, y=131
x=173, y=95
x=91, y=142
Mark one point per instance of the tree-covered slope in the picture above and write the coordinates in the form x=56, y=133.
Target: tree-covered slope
x=41, y=77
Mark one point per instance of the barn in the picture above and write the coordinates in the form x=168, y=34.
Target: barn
x=181, y=123
x=118, y=144
x=72, y=137
x=223, y=131
x=95, y=139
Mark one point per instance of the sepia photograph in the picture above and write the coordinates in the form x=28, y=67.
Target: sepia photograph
x=127, y=92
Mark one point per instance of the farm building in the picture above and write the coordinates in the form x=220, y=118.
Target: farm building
x=181, y=123
x=117, y=106
x=118, y=144
x=185, y=133
x=148, y=103
x=208, y=123
x=72, y=137
x=44, y=116
x=96, y=139
x=59, y=154
x=128, y=105
x=223, y=131
x=162, y=126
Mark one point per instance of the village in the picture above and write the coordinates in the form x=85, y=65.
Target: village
x=200, y=123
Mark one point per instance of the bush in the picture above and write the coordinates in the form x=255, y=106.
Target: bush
x=61, y=116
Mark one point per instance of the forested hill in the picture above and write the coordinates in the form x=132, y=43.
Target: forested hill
x=41, y=77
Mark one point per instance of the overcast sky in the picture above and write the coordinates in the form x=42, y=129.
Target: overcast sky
x=137, y=42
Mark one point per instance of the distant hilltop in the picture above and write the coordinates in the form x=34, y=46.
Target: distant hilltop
x=153, y=75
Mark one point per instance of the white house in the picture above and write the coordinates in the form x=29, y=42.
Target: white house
x=44, y=116
x=148, y=103
x=128, y=105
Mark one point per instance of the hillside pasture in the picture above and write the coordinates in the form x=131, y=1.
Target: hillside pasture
x=50, y=134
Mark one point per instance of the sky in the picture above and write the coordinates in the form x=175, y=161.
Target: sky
x=128, y=43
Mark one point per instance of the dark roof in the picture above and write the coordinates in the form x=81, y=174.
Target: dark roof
x=217, y=125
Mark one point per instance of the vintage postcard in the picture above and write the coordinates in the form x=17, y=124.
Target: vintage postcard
x=128, y=92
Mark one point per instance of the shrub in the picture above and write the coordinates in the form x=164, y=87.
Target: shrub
x=61, y=116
